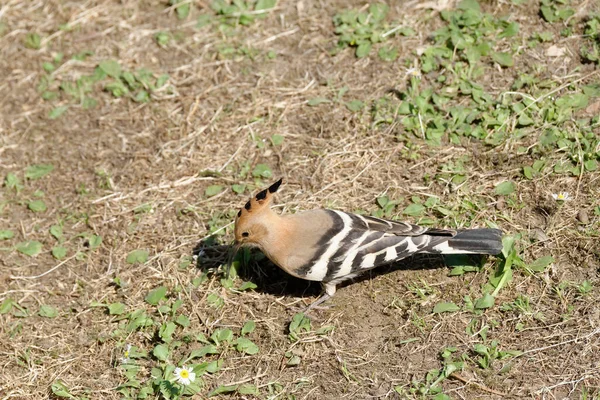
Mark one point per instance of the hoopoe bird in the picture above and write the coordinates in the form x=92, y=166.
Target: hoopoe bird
x=331, y=246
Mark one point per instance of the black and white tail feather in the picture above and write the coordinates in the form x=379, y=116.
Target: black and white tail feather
x=356, y=243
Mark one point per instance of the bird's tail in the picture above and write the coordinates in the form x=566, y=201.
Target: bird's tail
x=474, y=241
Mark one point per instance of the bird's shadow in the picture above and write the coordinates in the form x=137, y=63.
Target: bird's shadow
x=252, y=266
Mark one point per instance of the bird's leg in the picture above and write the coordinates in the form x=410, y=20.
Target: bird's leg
x=329, y=292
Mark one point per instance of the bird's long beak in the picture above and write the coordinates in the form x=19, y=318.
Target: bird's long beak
x=233, y=250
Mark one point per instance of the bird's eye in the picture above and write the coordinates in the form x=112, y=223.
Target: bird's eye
x=245, y=234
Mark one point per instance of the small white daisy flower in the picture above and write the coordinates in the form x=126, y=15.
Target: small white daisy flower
x=125, y=359
x=416, y=72
x=562, y=196
x=184, y=375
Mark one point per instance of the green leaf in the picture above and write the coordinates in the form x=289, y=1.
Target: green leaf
x=12, y=182
x=56, y=231
x=59, y=252
x=239, y=189
x=591, y=165
x=484, y=302
x=247, y=286
x=57, y=112
x=37, y=205
x=248, y=389
x=277, y=140
x=505, y=188
x=137, y=256
x=541, y=263
x=116, y=308
x=111, y=68
x=30, y=248
x=318, y=100
x=222, y=335
x=445, y=307
x=262, y=171
x=247, y=346
x=166, y=331
x=183, y=10
x=6, y=305
x=61, y=390
x=213, y=190
x=47, y=311
x=161, y=352
x=38, y=171
x=183, y=320
x=265, y=4
x=528, y=172
x=248, y=327
x=33, y=41
x=6, y=234
x=388, y=53
x=156, y=295
x=363, y=50
x=414, y=210
x=201, y=352
x=95, y=241
x=222, y=389
x=504, y=59
x=355, y=105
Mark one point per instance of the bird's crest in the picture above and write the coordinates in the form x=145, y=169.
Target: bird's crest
x=261, y=200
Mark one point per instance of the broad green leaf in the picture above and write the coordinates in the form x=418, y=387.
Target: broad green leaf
x=48, y=311
x=161, y=352
x=265, y=4
x=505, y=188
x=248, y=327
x=56, y=231
x=355, y=105
x=445, y=307
x=504, y=59
x=262, y=171
x=37, y=205
x=414, y=210
x=484, y=302
x=183, y=320
x=12, y=182
x=137, y=256
x=222, y=335
x=30, y=248
x=528, y=172
x=111, y=68
x=116, y=308
x=591, y=165
x=277, y=140
x=57, y=112
x=6, y=305
x=247, y=346
x=156, y=295
x=363, y=50
x=222, y=389
x=247, y=286
x=388, y=53
x=61, y=390
x=213, y=190
x=239, y=189
x=248, y=389
x=38, y=171
x=59, y=252
x=541, y=263
x=201, y=352
x=6, y=234
x=166, y=331
x=95, y=241
x=318, y=100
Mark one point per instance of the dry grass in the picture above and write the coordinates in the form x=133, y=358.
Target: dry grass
x=219, y=119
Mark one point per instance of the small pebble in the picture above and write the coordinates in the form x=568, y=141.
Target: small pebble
x=583, y=217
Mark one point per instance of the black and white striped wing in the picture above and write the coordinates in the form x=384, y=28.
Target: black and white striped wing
x=357, y=243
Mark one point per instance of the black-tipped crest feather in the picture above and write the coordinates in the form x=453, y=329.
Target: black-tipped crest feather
x=273, y=188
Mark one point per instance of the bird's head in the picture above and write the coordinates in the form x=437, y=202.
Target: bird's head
x=251, y=223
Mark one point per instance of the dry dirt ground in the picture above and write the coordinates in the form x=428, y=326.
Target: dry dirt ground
x=116, y=182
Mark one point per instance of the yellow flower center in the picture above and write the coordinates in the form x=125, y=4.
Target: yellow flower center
x=184, y=373
x=126, y=354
